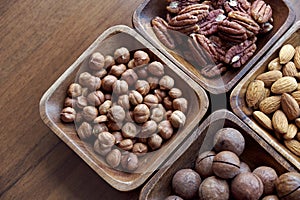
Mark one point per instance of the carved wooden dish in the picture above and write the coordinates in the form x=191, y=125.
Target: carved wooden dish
x=283, y=18
x=52, y=102
x=237, y=98
x=257, y=153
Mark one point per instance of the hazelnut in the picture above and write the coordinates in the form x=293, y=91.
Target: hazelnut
x=131, y=64
x=123, y=101
x=81, y=102
x=68, y=114
x=155, y=141
x=108, y=82
x=229, y=139
x=74, y=90
x=270, y=197
x=100, y=119
x=143, y=140
x=148, y=128
x=153, y=82
x=214, y=188
x=96, y=61
x=109, y=61
x=85, y=92
x=122, y=55
x=126, y=144
x=101, y=150
x=120, y=87
x=166, y=82
x=226, y=164
x=288, y=186
x=130, y=77
x=129, y=116
x=100, y=73
x=142, y=87
x=173, y=197
x=106, y=139
x=177, y=119
x=185, y=183
x=129, y=130
x=114, y=126
x=84, y=78
x=89, y=113
x=142, y=72
x=244, y=167
x=113, y=158
x=116, y=113
x=150, y=100
x=70, y=102
x=118, y=136
x=158, y=113
x=141, y=113
x=84, y=131
x=95, y=98
x=204, y=163
x=135, y=97
x=117, y=70
x=180, y=104
x=268, y=176
x=175, y=93
x=104, y=107
x=160, y=94
x=99, y=128
x=129, y=161
x=93, y=83
x=246, y=186
x=165, y=129
x=168, y=103
x=140, y=58
x=156, y=68
x=140, y=149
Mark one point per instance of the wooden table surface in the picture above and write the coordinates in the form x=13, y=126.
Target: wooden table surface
x=39, y=40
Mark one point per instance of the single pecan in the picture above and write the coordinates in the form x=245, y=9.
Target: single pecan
x=183, y=20
x=232, y=31
x=237, y=5
x=198, y=10
x=175, y=6
x=209, y=26
x=212, y=71
x=261, y=11
x=160, y=28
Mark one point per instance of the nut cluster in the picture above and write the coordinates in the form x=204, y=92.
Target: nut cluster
x=275, y=97
x=222, y=33
x=126, y=104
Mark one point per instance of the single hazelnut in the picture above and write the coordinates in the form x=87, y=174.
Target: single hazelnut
x=92, y=83
x=74, y=90
x=96, y=61
x=166, y=82
x=148, y=128
x=117, y=70
x=120, y=87
x=99, y=128
x=70, y=102
x=104, y=107
x=180, y=104
x=109, y=61
x=158, y=113
x=68, y=114
x=126, y=144
x=155, y=141
x=101, y=150
x=244, y=167
x=177, y=119
x=268, y=176
x=122, y=55
x=165, y=129
x=114, y=126
x=270, y=197
x=288, y=186
x=168, y=103
x=100, y=73
x=140, y=58
x=142, y=87
x=185, y=183
x=153, y=82
x=141, y=113
x=113, y=158
x=246, y=186
x=81, y=102
x=173, y=197
x=129, y=161
x=129, y=130
x=226, y=164
x=84, y=78
x=84, y=131
x=142, y=72
x=150, y=100
x=95, y=98
x=229, y=139
x=214, y=188
x=160, y=94
x=89, y=113
x=156, y=68
x=118, y=136
x=139, y=149
x=204, y=163
x=123, y=101
x=100, y=119
x=135, y=97
x=131, y=64
x=108, y=82
x=106, y=139
x=130, y=77
x=116, y=114
x=175, y=93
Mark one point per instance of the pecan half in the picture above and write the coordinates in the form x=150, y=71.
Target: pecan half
x=198, y=10
x=237, y=5
x=184, y=23
x=160, y=28
x=214, y=70
x=209, y=26
x=175, y=6
x=261, y=11
x=232, y=31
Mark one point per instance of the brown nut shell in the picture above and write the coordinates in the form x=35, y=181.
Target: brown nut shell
x=214, y=188
x=204, y=163
x=226, y=164
x=268, y=176
x=288, y=186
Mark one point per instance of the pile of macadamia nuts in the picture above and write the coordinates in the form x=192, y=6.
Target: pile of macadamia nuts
x=126, y=105
x=220, y=175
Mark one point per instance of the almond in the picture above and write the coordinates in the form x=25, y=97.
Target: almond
x=293, y=146
x=296, y=96
x=270, y=104
x=269, y=77
x=263, y=119
x=291, y=133
x=290, y=106
x=280, y=122
x=297, y=57
x=284, y=85
x=286, y=53
x=289, y=69
x=255, y=93
x=297, y=122
x=298, y=136
x=274, y=64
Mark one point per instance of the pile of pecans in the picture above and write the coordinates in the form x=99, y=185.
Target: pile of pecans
x=126, y=105
x=223, y=33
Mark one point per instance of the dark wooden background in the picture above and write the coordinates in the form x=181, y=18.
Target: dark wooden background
x=39, y=40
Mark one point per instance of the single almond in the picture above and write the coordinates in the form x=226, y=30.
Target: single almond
x=286, y=53
x=280, y=122
x=293, y=146
x=269, y=77
x=291, y=133
x=290, y=106
x=289, y=69
x=274, y=64
x=285, y=84
x=270, y=104
x=296, y=96
x=297, y=57
x=263, y=119
x=255, y=93
x=297, y=122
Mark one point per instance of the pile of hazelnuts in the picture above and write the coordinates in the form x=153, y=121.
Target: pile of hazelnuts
x=220, y=175
x=126, y=105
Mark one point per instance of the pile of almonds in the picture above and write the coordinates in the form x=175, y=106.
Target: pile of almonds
x=275, y=97
x=126, y=105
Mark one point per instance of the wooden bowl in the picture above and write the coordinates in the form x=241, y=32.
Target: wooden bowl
x=237, y=97
x=283, y=18
x=52, y=101
x=257, y=153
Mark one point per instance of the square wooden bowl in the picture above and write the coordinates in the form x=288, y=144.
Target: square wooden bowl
x=52, y=102
x=283, y=18
x=237, y=97
x=257, y=153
